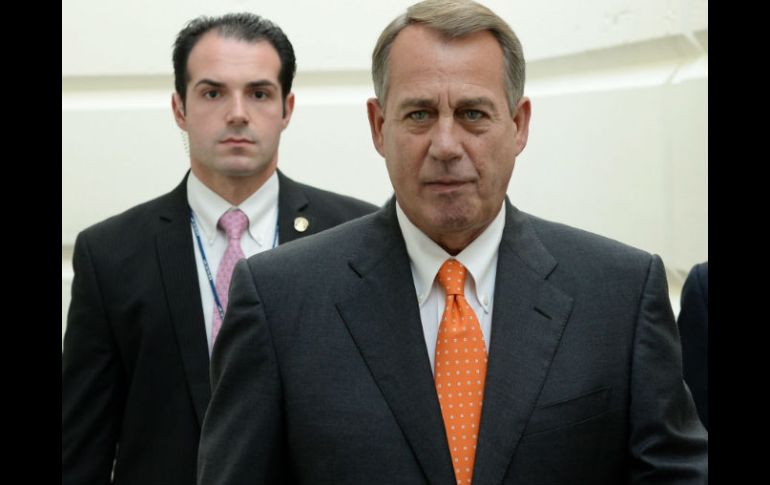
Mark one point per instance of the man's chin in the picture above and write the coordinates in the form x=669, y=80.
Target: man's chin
x=452, y=220
x=244, y=168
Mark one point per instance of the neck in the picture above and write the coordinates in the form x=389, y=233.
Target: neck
x=232, y=188
x=455, y=243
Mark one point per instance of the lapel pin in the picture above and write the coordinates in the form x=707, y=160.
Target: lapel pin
x=301, y=224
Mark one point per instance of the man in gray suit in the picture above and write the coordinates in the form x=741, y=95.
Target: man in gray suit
x=366, y=354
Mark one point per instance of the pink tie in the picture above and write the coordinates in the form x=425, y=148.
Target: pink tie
x=234, y=223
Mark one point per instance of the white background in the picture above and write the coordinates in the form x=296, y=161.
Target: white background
x=618, y=140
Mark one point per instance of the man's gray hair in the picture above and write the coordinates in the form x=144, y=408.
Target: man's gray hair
x=452, y=18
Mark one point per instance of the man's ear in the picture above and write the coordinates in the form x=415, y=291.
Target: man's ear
x=521, y=120
x=376, y=120
x=177, y=106
x=288, y=109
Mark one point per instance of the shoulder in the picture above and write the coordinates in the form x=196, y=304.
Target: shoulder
x=343, y=201
x=324, y=249
x=320, y=262
x=700, y=272
x=569, y=243
x=582, y=263
x=327, y=202
x=135, y=225
x=697, y=283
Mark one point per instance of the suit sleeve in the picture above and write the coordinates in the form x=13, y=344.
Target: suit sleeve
x=93, y=381
x=667, y=441
x=242, y=435
x=693, y=327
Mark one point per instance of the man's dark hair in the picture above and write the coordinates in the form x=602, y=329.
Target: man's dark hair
x=240, y=26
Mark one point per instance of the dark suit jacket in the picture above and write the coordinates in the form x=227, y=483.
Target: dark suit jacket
x=135, y=365
x=320, y=373
x=694, y=328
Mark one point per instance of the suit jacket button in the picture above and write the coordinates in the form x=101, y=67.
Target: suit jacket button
x=301, y=224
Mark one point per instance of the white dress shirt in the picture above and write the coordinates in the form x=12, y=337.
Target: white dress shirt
x=262, y=210
x=479, y=258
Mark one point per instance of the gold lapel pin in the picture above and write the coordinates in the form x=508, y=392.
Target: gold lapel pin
x=301, y=224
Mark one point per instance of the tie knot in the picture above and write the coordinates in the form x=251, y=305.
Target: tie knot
x=451, y=277
x=234, y=223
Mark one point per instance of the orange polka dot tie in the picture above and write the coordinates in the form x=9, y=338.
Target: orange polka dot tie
x=460, y=370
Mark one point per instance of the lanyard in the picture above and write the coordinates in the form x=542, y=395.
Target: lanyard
x=218, y=303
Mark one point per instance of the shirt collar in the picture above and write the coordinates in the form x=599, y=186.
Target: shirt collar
x=426, y=256
x=209, y=206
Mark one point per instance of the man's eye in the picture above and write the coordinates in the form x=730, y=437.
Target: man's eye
x=211, y=94
x=260, y=94
x=418, y=115
x=473, y=114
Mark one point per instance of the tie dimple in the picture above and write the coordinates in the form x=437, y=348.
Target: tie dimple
x=460, y=370
x=233, y=223
x=451, y=277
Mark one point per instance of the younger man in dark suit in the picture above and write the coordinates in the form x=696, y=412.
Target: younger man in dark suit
x=150, y=285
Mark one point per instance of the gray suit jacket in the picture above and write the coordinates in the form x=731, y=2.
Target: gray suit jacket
x=321, y=375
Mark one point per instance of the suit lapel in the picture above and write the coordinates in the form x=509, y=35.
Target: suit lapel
x=384, y=320
x=292, y=202
x=527, y=323
x=176, y=258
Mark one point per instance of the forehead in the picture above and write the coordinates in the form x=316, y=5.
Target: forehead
x=423, y=62
x=216, y=56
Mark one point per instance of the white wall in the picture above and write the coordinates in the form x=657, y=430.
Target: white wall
x=618, y=141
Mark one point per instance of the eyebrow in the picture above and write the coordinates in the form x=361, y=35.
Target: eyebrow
x=416, y=103
x=254, y=84
x=481, y=101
